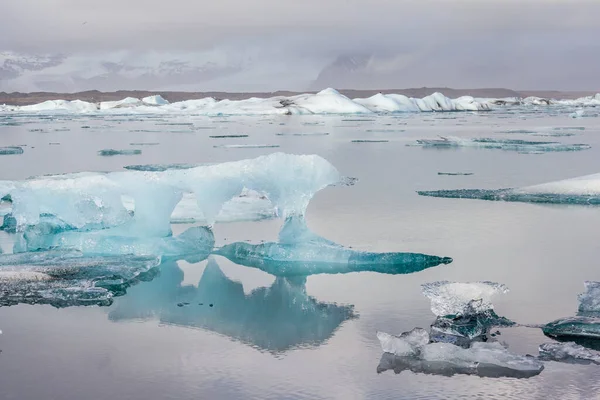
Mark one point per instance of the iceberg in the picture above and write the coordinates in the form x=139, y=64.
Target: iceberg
x=569, y=352
x=10, y=150
x=328, y=101
x=412, y=351
x=68, y=278
x=300, y=252
x=90, y=200
x=501, y=144
x=589, y=302
x=464, y=311
x=584, y=190
x=277, y=318
x=113, y=152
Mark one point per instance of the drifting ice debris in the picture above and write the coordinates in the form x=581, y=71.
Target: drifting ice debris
x=304, y=134
x=587, y=329
x=227, y=136
x=407, y=344
x=455, y=173
x=416, y=354
x=159, y=167
x=96, y=199
x=10, y=150
x=300, y=252
x=113, y=152
x=67, y=278
x=464, y=311
x=457, y=298
x=577, y=114
x=144, y=144
x=584, y=190
x=275, y=318
x=369, y=141
x=589, y=302
x=245, y=146
x=568, y=352
x=501, y=144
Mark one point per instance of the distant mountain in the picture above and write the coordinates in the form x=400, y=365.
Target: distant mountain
x=60, y=73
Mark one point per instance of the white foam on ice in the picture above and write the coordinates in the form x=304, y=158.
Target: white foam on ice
x=583, y=185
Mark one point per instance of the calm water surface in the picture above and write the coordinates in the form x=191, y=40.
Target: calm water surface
x=268, y=338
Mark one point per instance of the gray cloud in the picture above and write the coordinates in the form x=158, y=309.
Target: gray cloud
x=533, y=44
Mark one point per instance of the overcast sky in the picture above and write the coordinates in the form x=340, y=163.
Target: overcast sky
x=522, y=44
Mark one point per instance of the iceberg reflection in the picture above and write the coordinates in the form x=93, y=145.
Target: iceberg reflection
x=277, y=318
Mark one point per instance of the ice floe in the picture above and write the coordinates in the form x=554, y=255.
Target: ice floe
x=500, y=144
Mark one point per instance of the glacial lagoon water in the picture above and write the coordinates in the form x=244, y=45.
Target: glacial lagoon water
x=219, y=330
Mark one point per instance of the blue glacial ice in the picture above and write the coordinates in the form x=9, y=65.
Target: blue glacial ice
x=568, y=352
x=11, y=150
x=159, y=167
x=90, y=200
x=584, y=328
x=523, y=146
x=464, y=312
x=68, y=278
x=413, y=351
x=300, y=252
x=275, y=318
x=125, y=152
x=584, y=190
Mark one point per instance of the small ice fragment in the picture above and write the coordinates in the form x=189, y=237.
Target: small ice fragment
x=144, y=144
x=369, y=141
x=500, y=144
x=159, y=167
x=227, y=136
x=407, y=344
x=11, y=150
x=577, y=114
x=245, y=146
x=568, y=352
x=304, y=134
x=113, y=152
x=455, y=173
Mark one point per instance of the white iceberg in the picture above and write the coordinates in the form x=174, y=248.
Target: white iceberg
x=460, y=299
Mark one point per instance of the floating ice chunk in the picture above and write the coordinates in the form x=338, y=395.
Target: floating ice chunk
x=227, y=136
x=113, y=152
x=369, y=141
x=589, y=302
x=568, y=352
x=67, y=278
x=584, y=190
x=459, y=299
x=574, y=327
x=75, y=106
x=159, y=167
x=455, y=173
x=465, y=329
x=536, y=101
x=301, y=252
x=276, y=318
x=577, y=114
x=482, y=359
x=10, y=150
x=155, y=100
x=245, y=146
x=407, y=344
x=500, y=144
x=144, y=144
x=304, y=134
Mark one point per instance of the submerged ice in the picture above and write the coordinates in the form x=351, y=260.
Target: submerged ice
x=584, y=190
